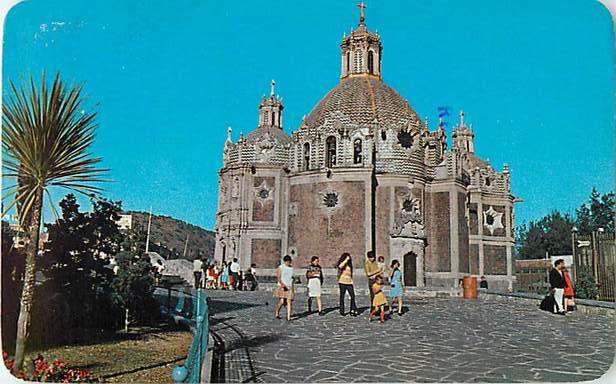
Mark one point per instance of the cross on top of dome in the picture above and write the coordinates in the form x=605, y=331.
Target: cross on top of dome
x=361, y=7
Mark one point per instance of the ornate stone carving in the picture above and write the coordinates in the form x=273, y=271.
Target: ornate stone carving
x=492, y=219
x=264, y=147
x=408, y=222
x=264, y=192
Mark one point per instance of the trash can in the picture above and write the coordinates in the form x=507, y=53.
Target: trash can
x=469, y=284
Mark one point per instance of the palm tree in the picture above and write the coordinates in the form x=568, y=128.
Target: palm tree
x=46, y=136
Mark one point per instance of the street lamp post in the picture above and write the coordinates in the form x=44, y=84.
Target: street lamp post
x=574, y=231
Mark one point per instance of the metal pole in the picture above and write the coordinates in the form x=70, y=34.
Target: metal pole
x=147, y=241
x=573, y=266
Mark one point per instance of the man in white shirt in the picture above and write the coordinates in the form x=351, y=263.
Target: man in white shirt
x=197, y=272
x=235, y=272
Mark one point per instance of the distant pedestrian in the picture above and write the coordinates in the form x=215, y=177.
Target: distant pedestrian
x=231, y=280
x=224, y=276
x=395, y=289
x=371, y=267
x=197, y=272
x=568, y=292
x=241, y=284
x=314, y=275
x=558, y=285
x=251, y=275
x=345, y=282
x=379, y=301
x=483, y=283
x=284, y=291
x=234, y=268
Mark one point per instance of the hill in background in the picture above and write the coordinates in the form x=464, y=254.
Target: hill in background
x=168, y=237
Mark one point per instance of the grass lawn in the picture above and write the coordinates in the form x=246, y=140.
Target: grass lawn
x=144, y=355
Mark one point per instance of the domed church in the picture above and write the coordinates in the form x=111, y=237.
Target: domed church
x=364, y=172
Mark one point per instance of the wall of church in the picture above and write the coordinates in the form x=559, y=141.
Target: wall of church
x=494, y=259
x=383, y=221
x=439, y=245
x=463, y=250
x=327, y=219
x=264, y=199
x=473, y=256
x=266, y=253
x=473, y=219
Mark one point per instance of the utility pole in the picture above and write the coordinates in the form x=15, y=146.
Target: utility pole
x=185, y=246
x=147, y=241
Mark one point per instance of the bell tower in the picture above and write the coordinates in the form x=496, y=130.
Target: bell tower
x=463, y=136
x=361, y=51
x=270, y=109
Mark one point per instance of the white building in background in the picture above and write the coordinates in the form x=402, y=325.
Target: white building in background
x=125, y=222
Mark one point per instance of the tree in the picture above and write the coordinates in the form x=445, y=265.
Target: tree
x=134, y=284
x=76, y=265
x=551, y=234
x=12, y=280
x=597, y=213
x=46, y=138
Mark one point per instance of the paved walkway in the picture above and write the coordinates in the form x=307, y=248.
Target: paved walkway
x=437, y=340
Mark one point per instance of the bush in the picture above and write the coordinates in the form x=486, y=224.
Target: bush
x=585, y=287
x=56, y=372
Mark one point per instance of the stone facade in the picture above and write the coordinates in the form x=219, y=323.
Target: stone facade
x=364, y=172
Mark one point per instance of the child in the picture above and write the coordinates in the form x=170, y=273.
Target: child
x=395, y=291
x=379, y=301
x=314, y=274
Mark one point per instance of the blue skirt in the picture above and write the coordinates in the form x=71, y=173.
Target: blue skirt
x=395, y=290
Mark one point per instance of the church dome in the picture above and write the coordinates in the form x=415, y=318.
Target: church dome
x=362, y=99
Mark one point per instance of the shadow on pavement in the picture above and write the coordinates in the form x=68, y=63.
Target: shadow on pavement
x=232, y=361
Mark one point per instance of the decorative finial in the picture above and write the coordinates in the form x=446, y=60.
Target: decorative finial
x=228, y=133
x=427, y=127
x=461, y=118
x=440, y=122
x=361, y=7
x=273, y=84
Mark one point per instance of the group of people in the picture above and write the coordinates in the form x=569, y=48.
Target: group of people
x=375, y=272
x=227, y=276
x=560, y=298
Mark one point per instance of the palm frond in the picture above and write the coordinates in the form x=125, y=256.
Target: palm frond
x=46, y=140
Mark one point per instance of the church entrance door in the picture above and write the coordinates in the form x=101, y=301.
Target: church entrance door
x=410, y=269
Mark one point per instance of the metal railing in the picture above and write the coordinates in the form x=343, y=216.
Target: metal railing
x=596, y=254
x=190, y=372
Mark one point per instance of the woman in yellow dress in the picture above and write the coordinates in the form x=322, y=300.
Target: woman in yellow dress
x=379, y=301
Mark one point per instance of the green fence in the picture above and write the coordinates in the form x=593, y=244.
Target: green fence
x=190, y=372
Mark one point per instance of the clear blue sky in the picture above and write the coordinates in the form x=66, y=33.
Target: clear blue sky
x=168, y=77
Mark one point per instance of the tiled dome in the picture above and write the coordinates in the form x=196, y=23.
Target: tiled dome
x=362, y=99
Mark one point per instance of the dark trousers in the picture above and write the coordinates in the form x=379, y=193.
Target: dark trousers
x=343, y=289
x=253, y=284
x=197, y=275
x=236, y=279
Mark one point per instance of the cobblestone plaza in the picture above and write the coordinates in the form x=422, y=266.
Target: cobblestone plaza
x=436, y=340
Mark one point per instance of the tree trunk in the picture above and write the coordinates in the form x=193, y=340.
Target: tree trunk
x=23, y=323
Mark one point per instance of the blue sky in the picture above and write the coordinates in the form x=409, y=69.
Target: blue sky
x=167, y=78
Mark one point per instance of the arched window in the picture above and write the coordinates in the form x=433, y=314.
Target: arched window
x=306, y=165
x=330, y=152
x=348, y=63
x=357, y=150
x=370, y=62
x=273, y=118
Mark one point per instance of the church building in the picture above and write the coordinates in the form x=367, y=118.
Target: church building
x=363, y=172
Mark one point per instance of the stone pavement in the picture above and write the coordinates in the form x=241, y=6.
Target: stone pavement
x=436, y=340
